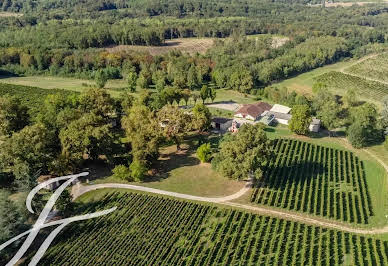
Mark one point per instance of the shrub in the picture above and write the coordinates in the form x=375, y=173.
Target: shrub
x=204, y=152
x=357, y=136
x=138, y=170
x=122, y=172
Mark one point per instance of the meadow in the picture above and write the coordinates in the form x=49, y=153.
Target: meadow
x=152, y=230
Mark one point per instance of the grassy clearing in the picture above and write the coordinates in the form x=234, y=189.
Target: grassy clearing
x=303, y=83
x=181, y=171
x=230, y=95
x=185, y=45
x=221, y=112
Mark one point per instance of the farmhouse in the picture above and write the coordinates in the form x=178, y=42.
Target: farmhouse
x=252, y=111
x=221, y=123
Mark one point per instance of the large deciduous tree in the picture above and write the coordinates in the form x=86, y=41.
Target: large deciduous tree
x=90, y=135
x=13, y=115
x=143, y=131
x=301, y=119
x=97, y=101
x=244, y=154
x=175, y=123
x=364, y=128
x=201, y=117
x=28, y=152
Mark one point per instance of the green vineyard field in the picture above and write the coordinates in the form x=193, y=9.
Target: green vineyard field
x=340, y=82
x=30, y=96
x=152, y=230
x=317, y=180
x=373, y=68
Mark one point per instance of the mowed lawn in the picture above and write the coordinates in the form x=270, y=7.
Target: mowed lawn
x=303, y=83
x=181, y=171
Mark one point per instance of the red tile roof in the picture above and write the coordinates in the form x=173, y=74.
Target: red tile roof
x=255, y=109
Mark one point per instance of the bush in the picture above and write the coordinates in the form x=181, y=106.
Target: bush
x=122, y=172
x=138, y=170
x=357, y=136
x=204, y=153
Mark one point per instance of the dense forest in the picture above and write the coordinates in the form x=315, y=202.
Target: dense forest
x=43, y=42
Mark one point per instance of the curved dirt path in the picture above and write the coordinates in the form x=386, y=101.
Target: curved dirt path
x=78, y=190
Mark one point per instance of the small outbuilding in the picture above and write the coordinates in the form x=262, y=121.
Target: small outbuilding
x=315, y=125
x=281, y=118
x=221, y=123
x=277, y=108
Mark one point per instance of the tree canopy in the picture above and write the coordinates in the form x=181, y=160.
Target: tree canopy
x=244, y=154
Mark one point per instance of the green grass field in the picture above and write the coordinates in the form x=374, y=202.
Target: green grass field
x=303, y=83
x=153, y=230
x=184, y=173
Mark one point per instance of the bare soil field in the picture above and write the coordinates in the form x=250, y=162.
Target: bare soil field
x=185, y=45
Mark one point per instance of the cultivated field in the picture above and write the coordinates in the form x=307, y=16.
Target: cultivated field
x=339, y=83
x=32, y=97
x=185, y=45
x=317, y=180
x=375, y=68
x=367, y=76
x=151, y=230
x=71, y=84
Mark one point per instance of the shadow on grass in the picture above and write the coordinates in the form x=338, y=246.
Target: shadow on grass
x=7, y=74
x=171, y=161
